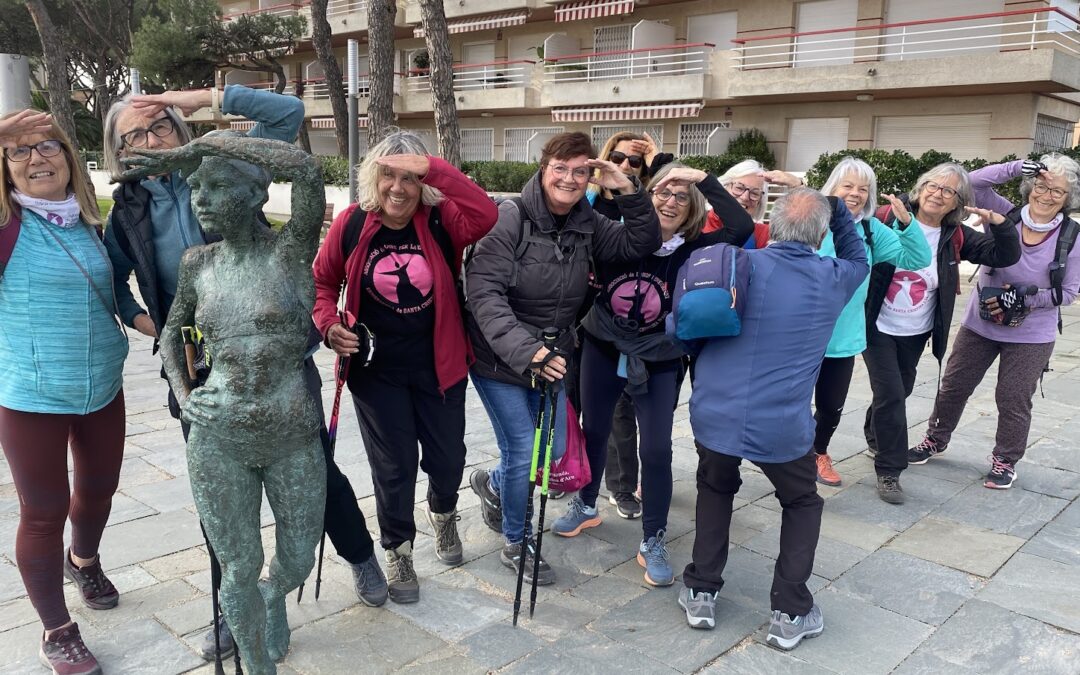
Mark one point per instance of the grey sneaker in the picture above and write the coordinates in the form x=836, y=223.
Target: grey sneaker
x=225, y=639
x=786, y=633
x=888, y=488
x=490, y=504
x=402, y=584
x=447, y=541
x=369, y=582
x=511, y=555
x=700, y=607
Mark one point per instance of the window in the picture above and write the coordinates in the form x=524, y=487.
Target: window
x=1051, y=134
x=600, y=134
x=477, y=145
x=524, y=144
x=694, y=136
x=718, y=29
x=810, y=138
x=829, y=49
x=963, y=136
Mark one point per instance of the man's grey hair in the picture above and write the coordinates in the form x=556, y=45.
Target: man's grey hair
x=1058, y=165
x=114, y=145
x=367, y=174
x=802, y=215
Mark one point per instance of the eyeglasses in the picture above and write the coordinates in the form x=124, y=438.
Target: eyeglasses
x=946, y=192
x=681, y=198
x=561, y=170
x=49, y=148
x=1043, y=188
x=138, y=138
x=737, y=189
x=619, y=157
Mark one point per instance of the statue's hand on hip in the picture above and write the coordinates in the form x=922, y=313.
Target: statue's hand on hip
x=200, y=406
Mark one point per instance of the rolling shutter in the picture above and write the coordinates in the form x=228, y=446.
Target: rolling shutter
x=963, y=136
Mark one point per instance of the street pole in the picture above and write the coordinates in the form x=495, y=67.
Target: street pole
x=354, y=131
x=14, y=83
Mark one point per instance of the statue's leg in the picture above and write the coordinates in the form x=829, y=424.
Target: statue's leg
x=296, y=490
x=228, y=496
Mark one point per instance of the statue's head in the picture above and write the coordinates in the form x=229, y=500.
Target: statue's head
x=227, y=193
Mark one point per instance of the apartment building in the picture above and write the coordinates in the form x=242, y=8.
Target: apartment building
x=977, y=78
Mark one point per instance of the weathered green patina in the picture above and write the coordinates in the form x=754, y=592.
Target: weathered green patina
x=254, y=426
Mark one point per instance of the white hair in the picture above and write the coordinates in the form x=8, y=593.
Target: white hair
x=747, y=167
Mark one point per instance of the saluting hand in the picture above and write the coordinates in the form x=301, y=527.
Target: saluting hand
x=23, y=123
x=418, y=165
x=988, y=216
x=898, y=209
x=609, y=176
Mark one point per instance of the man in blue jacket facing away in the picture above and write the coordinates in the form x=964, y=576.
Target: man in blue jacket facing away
x=751, y=400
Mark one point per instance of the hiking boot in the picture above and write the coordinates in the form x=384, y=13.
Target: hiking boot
x=402, y=585
x=577, y=518
x=786, y=633
x=626, y=505
x=490, y=506
x=826, y=474
x=1002, y=473
x=447, y=541
x=369, y=582
x=700, y=607
x=64, y=653
x=653, y=556
x=888, y=488
x=225, y=639
x=96, y=589
x=510, y=555
x=922, y=452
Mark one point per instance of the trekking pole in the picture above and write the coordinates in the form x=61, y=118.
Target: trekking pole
x=553, y=398
x=215, y=586
x=549, y=336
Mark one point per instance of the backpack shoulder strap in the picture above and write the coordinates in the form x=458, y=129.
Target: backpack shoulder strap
x=868, y=232
x=8, y=236
x=351, y=237
x=523, y=238
x=1066, y=241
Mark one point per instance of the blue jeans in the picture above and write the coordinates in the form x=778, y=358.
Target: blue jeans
x=512, y=410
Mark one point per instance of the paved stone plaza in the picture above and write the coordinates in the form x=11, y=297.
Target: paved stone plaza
x=960, y=579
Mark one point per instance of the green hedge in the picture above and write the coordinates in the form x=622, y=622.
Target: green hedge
x=335, y=170
x=500, y=176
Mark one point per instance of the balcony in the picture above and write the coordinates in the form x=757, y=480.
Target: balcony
x=1027, y=50
x=498, y=85
x=648, y=74
x=287, y=9
x=344, y=16
x=467, y=8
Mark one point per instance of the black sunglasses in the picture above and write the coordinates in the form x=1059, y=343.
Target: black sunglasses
x=619, y=157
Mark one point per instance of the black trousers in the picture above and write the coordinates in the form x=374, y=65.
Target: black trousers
x=396, y=410
x=830, y=393
x=796, y=489
x=892, y=362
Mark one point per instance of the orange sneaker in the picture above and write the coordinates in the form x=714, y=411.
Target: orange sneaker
x=826, y=475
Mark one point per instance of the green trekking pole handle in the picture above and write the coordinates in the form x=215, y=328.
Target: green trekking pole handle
x=529, y=504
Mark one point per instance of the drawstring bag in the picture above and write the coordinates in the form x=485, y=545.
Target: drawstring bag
x=571, y=472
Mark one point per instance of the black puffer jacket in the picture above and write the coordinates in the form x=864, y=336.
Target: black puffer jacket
x=505, y=321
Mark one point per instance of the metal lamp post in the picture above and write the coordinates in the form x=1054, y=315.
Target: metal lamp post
x=354, y=131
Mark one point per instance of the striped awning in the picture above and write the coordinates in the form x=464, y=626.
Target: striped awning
x=476, y=23
x=328, y=122
x=592, y=9
x=242, y=125
x=621, y=113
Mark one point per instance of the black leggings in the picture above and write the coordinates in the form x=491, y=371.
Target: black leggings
x=601, y=388
x=830, y=393
x=36, y=447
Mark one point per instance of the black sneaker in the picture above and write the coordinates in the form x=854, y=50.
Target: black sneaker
x=510, y=555
x=490, y=505
x=888, y=488
x=922, y=452
x=96, y=589
x=370, y=582
x=225, y=639
x=1002, y=473
x=626, y=505
x=65, y=653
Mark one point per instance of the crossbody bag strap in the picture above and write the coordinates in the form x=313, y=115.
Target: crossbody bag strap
x=114, y=311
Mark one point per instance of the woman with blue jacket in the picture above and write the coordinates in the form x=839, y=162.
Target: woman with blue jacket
x=854, y=183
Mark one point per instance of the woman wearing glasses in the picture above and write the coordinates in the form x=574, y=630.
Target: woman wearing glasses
x=528, y=274
x=905, y=308
x=626, y=349
x=748, y=182
x=62, y=356
x=1050, y=188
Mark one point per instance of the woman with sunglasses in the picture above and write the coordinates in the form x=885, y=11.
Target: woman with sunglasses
x=905, y=308
x=626, y=349
x=60, y=387
x=1050, y=188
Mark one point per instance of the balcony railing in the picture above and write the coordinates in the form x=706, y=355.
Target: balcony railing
x=659, y=61
x=290, y=86
x=288, y=9
x=340, y=7
x=1017, y=30
x=473, y=76
x=317, y=88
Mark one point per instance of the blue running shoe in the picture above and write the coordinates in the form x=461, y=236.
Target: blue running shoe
x=653, y=556
x=577, y=518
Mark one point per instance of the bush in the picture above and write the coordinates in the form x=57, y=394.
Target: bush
x=335, y=170
x=751, y=144
x=500, y=176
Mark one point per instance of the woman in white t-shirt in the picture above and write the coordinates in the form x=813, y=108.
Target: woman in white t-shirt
x=905, y=308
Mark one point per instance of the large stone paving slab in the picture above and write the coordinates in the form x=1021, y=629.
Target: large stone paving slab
x=149, y=538
x=1016, y=512
x=588, y=653
x=1057, y=541
x=963, y=547
x=831, y=559
x=752, y=658
x=924, y=494
x=1043, y=589
x=499, y=644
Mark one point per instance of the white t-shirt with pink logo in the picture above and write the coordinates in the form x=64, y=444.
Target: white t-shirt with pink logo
x=912, y=295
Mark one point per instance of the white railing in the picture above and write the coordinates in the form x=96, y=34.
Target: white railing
x=287, y=9
x=646, y=62
x=472, y=76
x=290, y=87
x=340, y=7
x=1017, y=30
x=317, y=88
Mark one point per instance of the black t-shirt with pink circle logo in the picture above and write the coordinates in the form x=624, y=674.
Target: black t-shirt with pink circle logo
x=398, y=303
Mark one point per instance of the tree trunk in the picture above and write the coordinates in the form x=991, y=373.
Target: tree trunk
x=320, y=39
x=441, y=76
x=381, y=60
x=56, y=57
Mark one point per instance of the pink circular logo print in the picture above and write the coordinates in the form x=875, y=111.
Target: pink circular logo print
x=404, y=280
x=637, y=300
x=907, y=291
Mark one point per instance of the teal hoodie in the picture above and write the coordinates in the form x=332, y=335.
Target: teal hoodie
x=907, y=249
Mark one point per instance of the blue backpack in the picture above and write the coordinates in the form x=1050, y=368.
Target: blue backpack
x=710, y=293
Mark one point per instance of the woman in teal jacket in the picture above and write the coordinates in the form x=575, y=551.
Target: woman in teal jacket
x=854, y=182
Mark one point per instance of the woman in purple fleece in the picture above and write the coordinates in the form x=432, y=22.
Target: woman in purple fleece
x=1050, y=189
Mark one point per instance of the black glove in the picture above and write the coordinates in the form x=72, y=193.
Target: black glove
x=1032, y=168
x=1005, y=306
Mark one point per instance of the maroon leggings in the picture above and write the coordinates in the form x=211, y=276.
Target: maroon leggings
x=36, y=445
